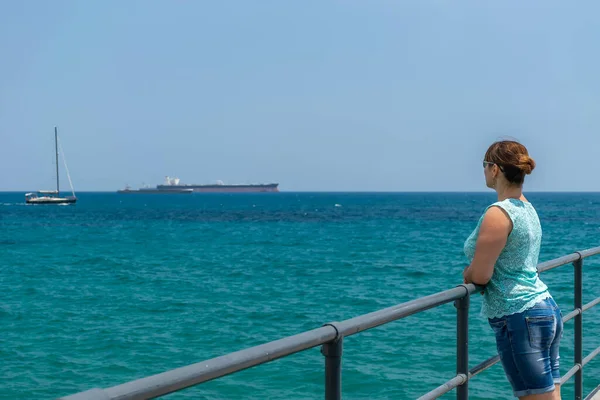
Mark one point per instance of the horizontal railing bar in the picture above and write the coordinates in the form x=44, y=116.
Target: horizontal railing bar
x=589, y=252
x=570, y=316
x=367, y=321
x=452, y=383
x=180, y=378
x=445, y=388
x=449, y=385
x=177, y=379
x=576, y=312
x=591, y=356
x=569, y=258
x=569, y=374
x=576, y=368
x=558, y=262
x=591, y=304
x=593, y=393
x=479, y=368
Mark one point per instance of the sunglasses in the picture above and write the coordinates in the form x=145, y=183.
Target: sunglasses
x=486, y=163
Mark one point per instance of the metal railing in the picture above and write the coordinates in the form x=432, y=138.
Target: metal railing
x=331, y=336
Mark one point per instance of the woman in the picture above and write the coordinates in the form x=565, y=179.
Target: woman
x=504, y=250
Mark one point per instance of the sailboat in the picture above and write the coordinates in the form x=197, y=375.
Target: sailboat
x=53, y=196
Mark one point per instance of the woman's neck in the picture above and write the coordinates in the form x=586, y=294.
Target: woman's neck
x=510, y=192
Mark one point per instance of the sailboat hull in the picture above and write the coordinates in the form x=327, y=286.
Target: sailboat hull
x=52, y=200
x=52, y=196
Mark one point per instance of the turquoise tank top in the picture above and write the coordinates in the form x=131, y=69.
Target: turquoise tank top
x=515, y=285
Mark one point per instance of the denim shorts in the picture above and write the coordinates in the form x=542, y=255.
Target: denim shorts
x=528, y=345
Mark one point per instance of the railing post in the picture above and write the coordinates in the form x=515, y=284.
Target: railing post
x=579, y=328
x=462, y=344
x=333, y=369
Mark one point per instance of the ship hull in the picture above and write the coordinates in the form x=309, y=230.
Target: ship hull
x=271, y=188
x=51, y=200
x=156, y=191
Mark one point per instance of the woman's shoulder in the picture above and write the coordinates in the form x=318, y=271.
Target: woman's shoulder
x=498, y=205
x=519, y=213
x=511, y=205
x=500, y=211
x=496, y=211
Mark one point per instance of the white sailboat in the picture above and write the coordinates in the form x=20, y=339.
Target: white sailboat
x=53, y=196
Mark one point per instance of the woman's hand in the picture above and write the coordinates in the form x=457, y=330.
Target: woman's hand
x=465, y=275
x=467, y=278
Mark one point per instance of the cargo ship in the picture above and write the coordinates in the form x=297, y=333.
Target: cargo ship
x=173, y=185
x=149, y=190
x=219, y=187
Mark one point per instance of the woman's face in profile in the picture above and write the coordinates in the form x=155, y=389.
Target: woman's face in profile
x=488, y=174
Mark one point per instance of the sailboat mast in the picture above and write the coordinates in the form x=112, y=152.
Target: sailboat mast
x=56, y=148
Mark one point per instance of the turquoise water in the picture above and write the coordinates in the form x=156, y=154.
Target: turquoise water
x=123, y=286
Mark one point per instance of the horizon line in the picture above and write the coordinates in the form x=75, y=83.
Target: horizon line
x=346, y=191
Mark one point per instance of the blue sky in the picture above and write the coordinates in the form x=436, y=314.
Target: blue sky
x=315, y=95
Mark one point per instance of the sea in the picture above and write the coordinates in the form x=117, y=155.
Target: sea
x=119, y=287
